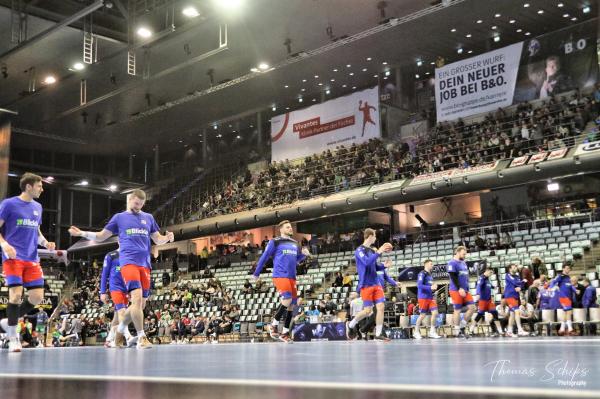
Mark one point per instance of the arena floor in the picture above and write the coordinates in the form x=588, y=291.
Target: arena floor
x=530, y=367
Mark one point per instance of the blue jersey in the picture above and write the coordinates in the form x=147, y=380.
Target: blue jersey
x=547, y=299
x=424, y=283
x=134, y=231
x=22, y=221
x=111, y=274
x=484, y=288
x=589, y=297
x=459, y=267
x=513, y=281
x=367, y=267
x=285, y=253
x=383, y=278
x=565, y=288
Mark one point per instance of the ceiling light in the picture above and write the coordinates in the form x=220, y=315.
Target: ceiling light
x=333, y=80
x=348, y=65
x=314, y=100
x=540, y=12
x=427, y=73
x=527, y=33
x=375, y=75
x=497, y=15
x=453, y=30
x=479, y=21
x=419, y=63
x=286, y=86
x=320, y=84
x=274, y=108
x=586, y=9
x=113, y=187
x=526, y=5
x=344, y=86
x=442, y=223
x=432, y=63
x=519, y=30
x=238, y=137
x=494, y=27
x=470, y=52
x=335, y=70
x=263, y=66
x=49, y=80
x=384, y=63
x=369, y=58
x=351, y=74
x=78, y=66
x=190, y=12
x=215, y=127
x=460, y=50
x=387, y=73
x=50, y=178
x=353, y=87
x=566, y=15
x=219, y=135
x=574, y=19
x=468, y=35
x=253, y=69
x=364, y=69
x=84, y=183
x=303, y=90
x=553, y=187
x=144, y=32
x=303, y=80
x=497, y=38
x=417, y=76
x=559, y=5
x=512, y=21
x=327, y=91
x=316, y=76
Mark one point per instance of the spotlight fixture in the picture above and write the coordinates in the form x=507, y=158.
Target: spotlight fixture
x=553, y=187
x=586, y=9
x=144, y=32
x=190, y=12
x=49, y=80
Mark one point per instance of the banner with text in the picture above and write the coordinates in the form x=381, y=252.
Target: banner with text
x=534, y=69
x=342, y=121
x=440, y=271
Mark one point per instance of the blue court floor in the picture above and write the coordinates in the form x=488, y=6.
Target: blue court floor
x=483, y=368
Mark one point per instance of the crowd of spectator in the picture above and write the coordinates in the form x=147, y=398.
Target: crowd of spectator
x=523, y=129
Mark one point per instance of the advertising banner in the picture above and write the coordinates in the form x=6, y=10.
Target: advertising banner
x=439, y=272
x=534, y=69
x=342, y=121
x=319, y=332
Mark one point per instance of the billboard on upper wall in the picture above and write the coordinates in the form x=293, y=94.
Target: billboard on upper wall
x=538, y=68
x=342, y=121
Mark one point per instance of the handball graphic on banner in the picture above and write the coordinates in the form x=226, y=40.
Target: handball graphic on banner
x=539, y=68
x=342, y=121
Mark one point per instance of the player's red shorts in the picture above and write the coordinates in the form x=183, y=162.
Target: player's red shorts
x=459, y=302
x=427, y=305
x=485, y=305
x=23, y=273
x=286, y=288
x=513, y=303
x=566, y=303
x=372, y=295
x=136, y=277
x=120, y=299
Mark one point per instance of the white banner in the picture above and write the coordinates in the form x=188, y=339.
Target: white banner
x=342, y=121
x=477, y=84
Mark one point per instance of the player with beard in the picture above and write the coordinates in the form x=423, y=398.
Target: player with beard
x=459, y=291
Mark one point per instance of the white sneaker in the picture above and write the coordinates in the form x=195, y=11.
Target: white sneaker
x=131, y=341
x=511, y=334
x=14, y=345
x=4, y=325
x=143, y=343
x=523, y=333
x=173, y=342
x=417, y=335
x=40, y=345
x=472, y=329
x=434, y=335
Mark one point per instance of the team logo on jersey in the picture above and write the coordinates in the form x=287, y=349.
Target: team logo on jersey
x=143, y=222
x=36, y=213
x=27, y=223
x=136, y=232
x=289, y=252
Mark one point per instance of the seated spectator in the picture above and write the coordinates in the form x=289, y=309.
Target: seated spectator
x=338, y=280
x=347, y=281
x=578, y=294
x=313, y=312
x=178, y=333
x=503, y=314
x=529, y=317
x=247, y=287
x=197, y=326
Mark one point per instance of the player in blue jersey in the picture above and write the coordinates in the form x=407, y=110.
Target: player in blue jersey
x=286, y=254
x=371, y=290
x=112, y=281
x=20, y=220
x=486, y=303
x=562, y=285
x=512, y=290
x=427, y=302
x=135, y=229
x=459, y=290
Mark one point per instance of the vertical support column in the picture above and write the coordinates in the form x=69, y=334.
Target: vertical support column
x=71, y=215
x=130, y=172
x=156, y=162
x=204, y=147
x=91, y=209
x=58, y=217
x=259, y=130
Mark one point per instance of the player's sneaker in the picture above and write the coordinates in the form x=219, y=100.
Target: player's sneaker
x=510, y=334
x=143, y=343
x=131, y=341
x=285, y=338
x=381, y=338
x=119, y=341
x=433, y=334
x=417, y=335
x=494, y=335
x=14, y=345
x=523, y=333
x=472, y=329
x=350, y=332
x=462, y=335
x=4, y=325
x=273, y=333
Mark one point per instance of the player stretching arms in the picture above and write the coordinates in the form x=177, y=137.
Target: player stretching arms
x=459, y=290
x=485, y=302
x=135, y=228
x=111, y=274
x=371, y=291
x=427, y=303
x=20, y=220
x=511, y=294
x=286, y=255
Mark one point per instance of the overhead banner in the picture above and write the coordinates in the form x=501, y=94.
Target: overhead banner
x=535, y=69
x=343, y=121
x=452, y=173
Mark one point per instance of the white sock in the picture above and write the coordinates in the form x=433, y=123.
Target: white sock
x=275, y=322
x=378, y=330
x=285, y=330
x=353, y=323
x=562, y=326
x=12, y=332
x=569, y=325
x=111, y=334
x=127, y=334
x=121, y=328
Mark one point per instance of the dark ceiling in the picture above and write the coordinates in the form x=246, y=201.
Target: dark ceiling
x=129, y=114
